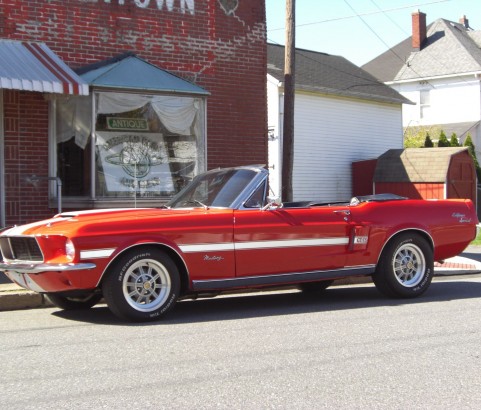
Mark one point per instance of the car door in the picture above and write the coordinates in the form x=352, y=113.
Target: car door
x=290, y=240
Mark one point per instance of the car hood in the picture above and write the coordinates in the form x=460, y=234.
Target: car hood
x=68, y=222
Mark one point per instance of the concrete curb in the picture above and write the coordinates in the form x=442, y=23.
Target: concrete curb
x=13, y=297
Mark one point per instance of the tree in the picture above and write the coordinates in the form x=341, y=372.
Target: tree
x=443, y=140
x=428, y=143
x=454, y=140
x=414, y=137
x=468, y=142
x=414, y=141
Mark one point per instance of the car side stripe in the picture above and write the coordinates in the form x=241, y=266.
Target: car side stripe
x=296, y=243
x=207, y=247
x=96, y=253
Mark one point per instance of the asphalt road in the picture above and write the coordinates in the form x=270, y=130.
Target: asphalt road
x=348, y=348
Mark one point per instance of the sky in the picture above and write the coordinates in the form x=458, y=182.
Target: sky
x=360, y=30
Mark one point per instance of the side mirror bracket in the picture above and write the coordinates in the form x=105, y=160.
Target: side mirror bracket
x=273, y=202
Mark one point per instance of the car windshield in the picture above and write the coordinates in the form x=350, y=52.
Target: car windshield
x=213, y=189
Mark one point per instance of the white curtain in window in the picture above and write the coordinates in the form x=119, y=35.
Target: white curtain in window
x=74, y=119
x=74, y=114
x=115, y=103
x=177, y=113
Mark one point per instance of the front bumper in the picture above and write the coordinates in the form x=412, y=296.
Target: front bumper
x=45, y=277
x=44, y=267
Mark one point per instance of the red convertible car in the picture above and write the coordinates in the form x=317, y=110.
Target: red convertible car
x=223, y=232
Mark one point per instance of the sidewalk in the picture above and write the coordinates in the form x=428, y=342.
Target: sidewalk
x=459, y=265
x=13, y=297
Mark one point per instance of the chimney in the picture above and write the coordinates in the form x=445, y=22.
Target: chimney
x=419, y=29
x=464, y=21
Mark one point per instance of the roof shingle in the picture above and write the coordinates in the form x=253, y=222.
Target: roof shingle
x=450, y=48
x=426, y=165
x=328, y=74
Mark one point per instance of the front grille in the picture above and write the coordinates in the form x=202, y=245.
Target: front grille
x=20, y=249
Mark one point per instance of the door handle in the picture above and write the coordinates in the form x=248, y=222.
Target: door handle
x=345, y=212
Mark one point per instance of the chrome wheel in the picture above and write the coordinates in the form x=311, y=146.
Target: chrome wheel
x=409, y=265
x=406, y=266
x=146, y=285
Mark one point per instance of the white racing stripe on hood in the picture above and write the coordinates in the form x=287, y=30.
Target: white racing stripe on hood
x=98, y=211
x=19, y=230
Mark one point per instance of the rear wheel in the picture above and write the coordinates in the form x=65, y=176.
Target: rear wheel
x=142, y=285
x=74, y=303
x=406, y=267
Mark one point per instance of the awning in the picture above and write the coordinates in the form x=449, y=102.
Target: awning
x=130, y=72
x=31, y=66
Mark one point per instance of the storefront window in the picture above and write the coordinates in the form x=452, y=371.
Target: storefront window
x=143, y=146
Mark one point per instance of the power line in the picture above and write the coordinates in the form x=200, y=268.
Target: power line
x=362, y=14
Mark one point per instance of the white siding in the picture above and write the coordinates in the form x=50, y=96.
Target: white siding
x=451, y=101
x=331, y=133
x=274, y=124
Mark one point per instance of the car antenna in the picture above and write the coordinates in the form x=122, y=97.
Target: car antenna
x=135, y=185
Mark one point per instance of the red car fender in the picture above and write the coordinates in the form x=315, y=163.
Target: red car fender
x=161, y=242
x=422, y=230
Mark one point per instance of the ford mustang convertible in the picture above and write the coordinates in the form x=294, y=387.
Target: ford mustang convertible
x=223, y=232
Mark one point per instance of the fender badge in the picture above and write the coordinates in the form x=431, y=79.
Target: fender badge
x=213, y=258
x=461, y=217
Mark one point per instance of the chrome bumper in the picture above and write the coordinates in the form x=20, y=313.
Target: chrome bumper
x=44, y=267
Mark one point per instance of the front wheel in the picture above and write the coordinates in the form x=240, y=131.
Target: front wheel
x=406, y=267
x=142, y=285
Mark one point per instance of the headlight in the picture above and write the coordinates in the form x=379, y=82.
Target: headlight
x=69, y=249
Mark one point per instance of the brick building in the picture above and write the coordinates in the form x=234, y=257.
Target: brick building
x=121, y=102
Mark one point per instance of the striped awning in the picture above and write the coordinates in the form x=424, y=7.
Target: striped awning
x=32, y=66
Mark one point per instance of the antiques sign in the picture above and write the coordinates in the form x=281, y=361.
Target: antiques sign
x=139, y=124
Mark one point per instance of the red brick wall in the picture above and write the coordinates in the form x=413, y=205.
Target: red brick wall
x=217, y=46
x=26, y=154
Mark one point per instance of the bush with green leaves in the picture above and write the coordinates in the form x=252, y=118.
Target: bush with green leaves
x=468, y=142
x=454, y=142
x=428, y=143
x=443, y=140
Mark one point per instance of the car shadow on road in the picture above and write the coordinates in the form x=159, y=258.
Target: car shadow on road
x=279, y=303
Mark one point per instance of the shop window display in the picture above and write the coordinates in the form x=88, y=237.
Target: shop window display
x=142, y=146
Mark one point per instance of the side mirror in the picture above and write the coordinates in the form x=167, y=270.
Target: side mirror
x=273, y=202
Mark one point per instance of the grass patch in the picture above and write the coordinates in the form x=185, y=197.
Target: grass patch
x=477, y=240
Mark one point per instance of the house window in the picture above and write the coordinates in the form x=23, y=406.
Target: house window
x=424, y=103
x=128, y=145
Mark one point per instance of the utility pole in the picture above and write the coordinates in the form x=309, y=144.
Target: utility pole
x=289, y=87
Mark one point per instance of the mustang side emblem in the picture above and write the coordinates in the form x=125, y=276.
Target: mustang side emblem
x=461, y=217
x=213, y=258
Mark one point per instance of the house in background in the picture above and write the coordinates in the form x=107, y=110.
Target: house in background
x=438, y=68
x=342, y=114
